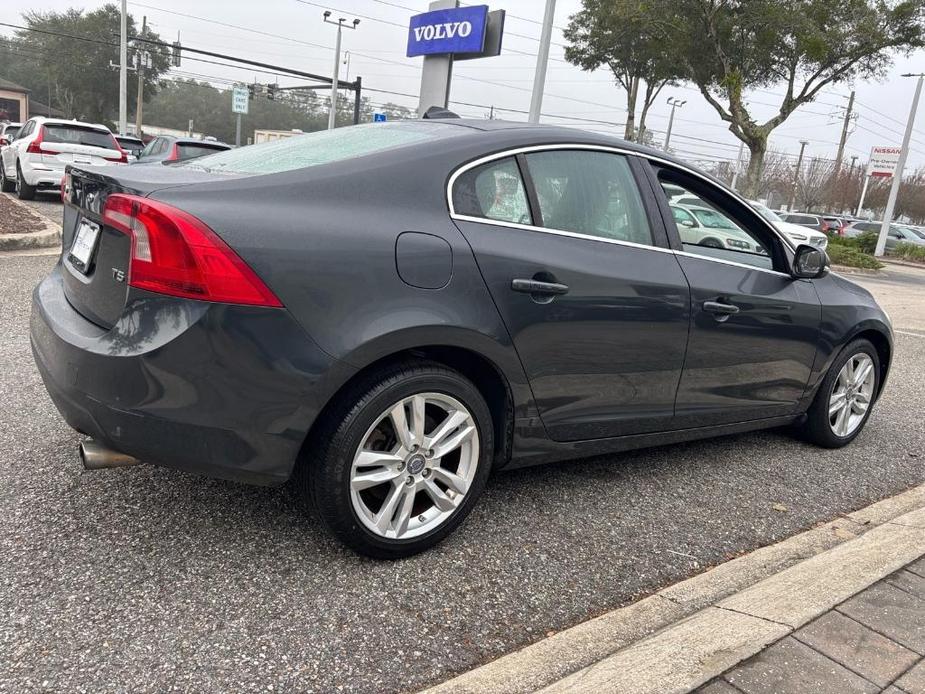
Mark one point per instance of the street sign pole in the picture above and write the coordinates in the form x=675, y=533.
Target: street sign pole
x=123, y=70
x=863, y=195
x=237, y=131
x=542, y=61
x=900, y=165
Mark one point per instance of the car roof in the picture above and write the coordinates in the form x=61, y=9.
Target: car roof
x=44, y=120
x=548, y=134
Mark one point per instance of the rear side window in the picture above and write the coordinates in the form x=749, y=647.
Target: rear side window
x=191, y=151
x=589, y=193
x=76, y=135
x=493, y=191
x=10, y=133
x=325, y=147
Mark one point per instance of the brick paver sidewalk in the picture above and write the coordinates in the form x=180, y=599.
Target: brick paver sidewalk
x=873, y=642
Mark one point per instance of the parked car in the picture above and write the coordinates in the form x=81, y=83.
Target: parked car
x=796, y=233
x=810, y=221
x=389, y=312
x=132, y=146
x=705, y=226
x=834, y=225
x=897, y=234
x=8, y=132
x=36, y=159
x=169, y=148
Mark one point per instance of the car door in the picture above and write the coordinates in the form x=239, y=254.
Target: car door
x=754, y=329
x=594, y=300
x=9, y=153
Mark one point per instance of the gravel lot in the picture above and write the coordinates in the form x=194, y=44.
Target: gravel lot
x=151, y=580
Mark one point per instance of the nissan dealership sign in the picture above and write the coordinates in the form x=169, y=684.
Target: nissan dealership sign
x=448, y=32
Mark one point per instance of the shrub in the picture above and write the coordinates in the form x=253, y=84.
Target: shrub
x=843, y=254
x=866, y=242
x=909, y=251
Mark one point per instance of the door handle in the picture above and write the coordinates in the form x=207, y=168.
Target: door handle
x=721, y=311
x=539, y=287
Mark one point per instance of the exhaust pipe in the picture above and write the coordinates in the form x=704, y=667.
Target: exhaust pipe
x=94, y=456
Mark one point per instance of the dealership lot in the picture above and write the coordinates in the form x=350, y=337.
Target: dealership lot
x=156, y=579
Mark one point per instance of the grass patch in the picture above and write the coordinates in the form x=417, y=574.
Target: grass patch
x=850, y=255
x=909, y=251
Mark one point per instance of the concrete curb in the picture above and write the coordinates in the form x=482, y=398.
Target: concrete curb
x=49, y=237
x=702, y=626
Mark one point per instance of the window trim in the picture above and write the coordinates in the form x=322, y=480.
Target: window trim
x=516, y=151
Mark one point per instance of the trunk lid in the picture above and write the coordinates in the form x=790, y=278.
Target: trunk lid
x=96, y=257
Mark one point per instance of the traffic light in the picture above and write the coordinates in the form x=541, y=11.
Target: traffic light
x=250, y=91
x=271, y=91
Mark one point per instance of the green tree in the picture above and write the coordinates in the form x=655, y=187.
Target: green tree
x=728, y=47
x=66, y=60
x=627, y=36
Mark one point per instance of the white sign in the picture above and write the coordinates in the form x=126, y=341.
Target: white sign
x=239, y=100
x=883, y=161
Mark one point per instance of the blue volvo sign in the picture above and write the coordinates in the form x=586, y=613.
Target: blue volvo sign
x=459, y=30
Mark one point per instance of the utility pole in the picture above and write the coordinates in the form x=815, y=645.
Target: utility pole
x=140, y=74
x=542, y=60
x=735, y=174
x=332, y=115
x=796, y=176
x=844, y=137
x=900, y=165
x=123, y=69
x=675, y=104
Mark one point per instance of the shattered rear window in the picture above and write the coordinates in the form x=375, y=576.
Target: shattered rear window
x=322, y=147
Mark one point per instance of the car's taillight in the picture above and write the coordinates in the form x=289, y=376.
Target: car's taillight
x=174, y=253
x=4, y=142
x=123, y=157
x=35, y=147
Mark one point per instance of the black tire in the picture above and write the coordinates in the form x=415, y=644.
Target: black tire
x=6, y=185
x=323, y=478
x=817, y=428
x=23, y=190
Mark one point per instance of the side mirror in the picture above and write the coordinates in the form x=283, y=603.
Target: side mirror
x=809, y=263
x=687, y=223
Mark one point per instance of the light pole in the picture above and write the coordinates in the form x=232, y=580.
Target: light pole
x=900, y=165
x=675, y=104
x=796, y=175
x=340, y=24
x=123, y=69
x=542, y=59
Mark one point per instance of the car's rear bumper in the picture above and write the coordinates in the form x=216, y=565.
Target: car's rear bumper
x=227, y=391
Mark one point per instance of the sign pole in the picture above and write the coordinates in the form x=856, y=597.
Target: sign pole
x=237, y=131
x=863, y=195
x=900, y=165
x=437, y=70
x=542, y=61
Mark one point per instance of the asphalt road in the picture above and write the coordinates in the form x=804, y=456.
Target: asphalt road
x=150, y=580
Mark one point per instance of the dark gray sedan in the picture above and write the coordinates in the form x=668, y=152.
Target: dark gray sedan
x=387, y=313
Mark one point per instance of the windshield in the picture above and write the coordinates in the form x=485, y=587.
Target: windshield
x=59, y=133
x=322, y=147
x=11, y=132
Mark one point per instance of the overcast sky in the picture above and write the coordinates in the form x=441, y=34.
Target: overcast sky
x=294, y=35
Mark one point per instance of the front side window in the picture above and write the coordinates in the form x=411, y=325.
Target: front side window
x=493, y=191
x=717, y=234
x=590, y=193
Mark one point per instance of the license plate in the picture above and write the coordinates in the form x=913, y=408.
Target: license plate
x=84, y=244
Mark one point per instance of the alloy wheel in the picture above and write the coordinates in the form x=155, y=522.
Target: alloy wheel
x=852, y=394
x=414, y=466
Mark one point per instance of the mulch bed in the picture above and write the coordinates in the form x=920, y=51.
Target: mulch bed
x=14, y=219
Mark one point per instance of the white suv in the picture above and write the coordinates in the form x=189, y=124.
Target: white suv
x=35, y=160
